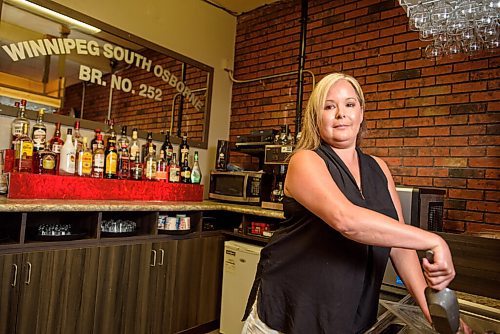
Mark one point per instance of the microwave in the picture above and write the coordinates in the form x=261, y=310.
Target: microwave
x=423, y=208
x=247, y=187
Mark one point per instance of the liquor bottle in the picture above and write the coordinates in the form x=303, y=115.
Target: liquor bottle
x=150, y=165
x=186, y=171
x=23, y=151
x=77, y=137
x=47, y=161
x=161, y=169
x=123, y=140
x=145, y=147
x=221, y=159
x=98, y=158
x=93, y=142
x=124, y=161
x=3, y=177
x=196, y=171
x=136, y=169
x=183, y=148
x=39, y=132
x=18, y=122
x=110, y=132
x=167, y=149
x=84, y=160
x=174, y=170
x=135, y=148
x=111, y=158
x=56, y=142
x=67, y=160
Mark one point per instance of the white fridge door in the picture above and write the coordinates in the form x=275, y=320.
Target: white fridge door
x=240, y=265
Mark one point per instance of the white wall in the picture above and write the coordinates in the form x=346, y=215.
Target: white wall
x=190, y=27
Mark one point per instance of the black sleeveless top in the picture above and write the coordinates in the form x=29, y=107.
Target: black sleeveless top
x=310, y=278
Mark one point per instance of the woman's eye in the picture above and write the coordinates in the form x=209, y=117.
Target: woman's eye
x=351, y=105
x=329, y=107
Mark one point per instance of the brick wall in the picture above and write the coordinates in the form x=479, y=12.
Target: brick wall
x=436, y=124
x=138, y=111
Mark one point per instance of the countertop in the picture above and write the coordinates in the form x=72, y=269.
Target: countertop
x=53, y=205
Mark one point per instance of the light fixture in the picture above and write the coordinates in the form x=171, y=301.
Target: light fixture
x=453, y=27
x=40, y=10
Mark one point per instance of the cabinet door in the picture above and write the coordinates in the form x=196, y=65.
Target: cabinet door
x=210, y=279
x=122, y=289
x=161, y=288
x=186, y=287
x=58, y=291
x=10, y=271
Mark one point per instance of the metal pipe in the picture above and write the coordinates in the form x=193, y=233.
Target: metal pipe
x=302, y=58
x=230, y=72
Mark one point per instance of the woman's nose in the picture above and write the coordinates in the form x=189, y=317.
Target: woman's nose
x=340, y=113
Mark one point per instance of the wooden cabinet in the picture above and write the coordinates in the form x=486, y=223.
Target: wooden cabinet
x=121, y=302
x=198, y=279
x=10, y=267
x=161, y=300
x=50, y=291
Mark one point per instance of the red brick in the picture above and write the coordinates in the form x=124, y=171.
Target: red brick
x=492, y=196
x=484, y=162
x=433, y=151
x=389, y=142
x=468, y=151
x=435, y=90
x=434, y=111
x=491, y=218
x=396, y=113
x=465, y=215
x=485, y=96
x=434, y=131
x=420, y=121
x=469, y=87
x=424, y=141
x=417, y=181
x=432, y=171
x=390, y=123
x=418, y=161
x=420, y=101
x=449, y=183
x=483, y=206
x=453, y=99
x=466, y=194
x=483, y=184
x=449, y=120
x=450, y=162
x=468, y=130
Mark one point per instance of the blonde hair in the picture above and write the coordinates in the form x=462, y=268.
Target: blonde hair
x=310, y=138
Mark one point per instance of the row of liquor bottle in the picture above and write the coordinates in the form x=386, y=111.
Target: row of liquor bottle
x=106, y=156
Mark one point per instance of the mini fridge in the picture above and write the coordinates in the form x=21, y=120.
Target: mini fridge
x=240, y=265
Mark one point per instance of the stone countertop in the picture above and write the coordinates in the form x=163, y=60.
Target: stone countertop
x=52, y=205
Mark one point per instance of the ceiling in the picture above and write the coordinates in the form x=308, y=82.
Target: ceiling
x=237, y=7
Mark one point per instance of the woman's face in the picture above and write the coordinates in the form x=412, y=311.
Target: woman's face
x=341, y=115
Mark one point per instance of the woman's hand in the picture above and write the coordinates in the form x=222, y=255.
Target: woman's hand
x=464, y=328
x=441, y=272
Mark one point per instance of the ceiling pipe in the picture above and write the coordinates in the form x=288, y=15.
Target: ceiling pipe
x=302, y=59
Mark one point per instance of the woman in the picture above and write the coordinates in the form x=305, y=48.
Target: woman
x=322, y=272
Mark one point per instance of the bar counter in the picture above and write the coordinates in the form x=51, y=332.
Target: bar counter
x=54, y=205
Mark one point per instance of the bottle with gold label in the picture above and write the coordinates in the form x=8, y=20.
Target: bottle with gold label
x=174, y=173
x=39, y=132
x=98, y=158
x=19, y=121
x=150, y=165
x=111, y=158
x=84, y=159
x=23, y=151
x=47, y=161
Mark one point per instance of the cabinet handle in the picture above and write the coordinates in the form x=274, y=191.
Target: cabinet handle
x=14, y=282
x=154, y=259
x=28, y=274
x=162, y=257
